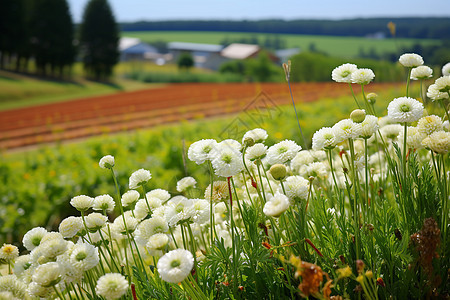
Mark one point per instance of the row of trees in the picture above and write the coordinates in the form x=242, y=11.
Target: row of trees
x=42, y=32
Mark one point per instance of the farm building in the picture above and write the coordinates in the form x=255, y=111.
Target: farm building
x=204, y=55
x=134, y=49
x=244, y=51
x=285, y=54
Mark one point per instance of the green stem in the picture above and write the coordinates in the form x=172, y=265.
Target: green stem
x=369, y=108
x=355, y=202
x=445, y=201
x=354, y=96
x=368, y=206
x=408, y=80
x=296, y=115
x=445, y=109
x=211, y=216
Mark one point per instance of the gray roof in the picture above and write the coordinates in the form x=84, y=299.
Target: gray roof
x=287, y=52
x=194, y=47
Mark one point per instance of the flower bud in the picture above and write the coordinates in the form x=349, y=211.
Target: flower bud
x=248, y=142
x=358, y=115
x=372, y=98
x=278, y=171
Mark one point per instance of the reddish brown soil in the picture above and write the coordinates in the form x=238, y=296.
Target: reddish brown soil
x=147, y=108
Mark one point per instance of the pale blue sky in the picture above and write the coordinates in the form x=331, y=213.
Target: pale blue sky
x=153, y=10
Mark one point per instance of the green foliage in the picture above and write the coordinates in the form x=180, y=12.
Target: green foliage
x=185, y=61
x=172, y=77
x=99, y=38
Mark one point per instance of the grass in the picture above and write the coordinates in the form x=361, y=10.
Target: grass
x=337, y=46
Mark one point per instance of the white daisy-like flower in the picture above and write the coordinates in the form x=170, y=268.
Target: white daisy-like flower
x=7, y=295
x=106, y=162
x=141, y=209
x=421, y=73
x=363, y=76
x=346, y=129
x=369, y=126
x=33, y=238
x=411, y=60
x=175, y=265
x=157, y=241
x=430, y=124
x=119, y=226
x=36, y=290
x=9, y=252
x=220, y=191
x=414, y=138
x=104, y=202
x=343, y=73
x=178, y=210
x=84, y=256
x=227, y=162
x=443, y=84
x=22, y=264
x=161, y=194
x=324, y=138
x=282, y=152
x=139, y=178
x=95, y=221
x=82, y=202
x=314, y=169
x=201, y=211
x=47, y=275
x=391, y=131
x=438, y=142
x=296, y=187
x=111, y=286
x=257, y=151
x=129, y=198
x=199, y=151
x=446, y=69
x=446, y=125
x=405, y=110
x=186, y=183
x=70, y=226
x=258, y=135
x=10, y=283
x=149, y=227
x=228, y=143
x=53, y=247
x=434, y=94
x=276, y=205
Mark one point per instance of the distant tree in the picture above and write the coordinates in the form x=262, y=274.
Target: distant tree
x=260, y=68
x=185, y=61
x=99, y=39
x=51, y=36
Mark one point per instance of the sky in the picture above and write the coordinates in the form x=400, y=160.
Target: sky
x=156, y=10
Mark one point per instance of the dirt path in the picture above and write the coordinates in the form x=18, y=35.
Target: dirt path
x=146, y=108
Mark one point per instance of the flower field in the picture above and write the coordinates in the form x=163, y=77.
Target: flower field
x=351, y=202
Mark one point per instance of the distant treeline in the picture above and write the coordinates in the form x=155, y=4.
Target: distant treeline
x=437, y=28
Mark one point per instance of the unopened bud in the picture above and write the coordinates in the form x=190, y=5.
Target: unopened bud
x=372, y=98
x=248, y=142
x=278, y=171
x=358, y=115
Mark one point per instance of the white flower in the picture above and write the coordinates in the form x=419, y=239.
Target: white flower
x=53, y=247
x=104, y=202
x=369, y=126
x=346, y=129
x=106, y=162
x=178, y=209
x=149, y=227
x=22, y=264
x=186, y=183
x=315, y=169
x=139, y=178
x=175, y=265
x=199, y=151
x=9, y=252
x=7, y=295
x=142, y=207
x=33, y=238
x=219, y=193
x=227, y=162
x=411, y=60
x=129, y=198
x=84, y=256
x=258, y=135
x=282, y=152
x=363, y=76
x=443, y=84
x=446, y=69
x=201, y=211
x=278, y=204
x=82, y=202
x=10, y=283
x=111, y=286
x=95, y=221
x=161, y=194
x=430, y=124
x=421, y=72
x=343, y=73
x=438, y=142
x=434, y=94
x=119, y=225
x=413, y=138
x=324, y=138
x=70, y=226
x=296, y=187
x=405, y=110
x=157, y=241
x=47, y=275
x=391, y=131
x=228, y=143
x=257, y=151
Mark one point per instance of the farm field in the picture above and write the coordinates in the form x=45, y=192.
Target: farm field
x=336, y=46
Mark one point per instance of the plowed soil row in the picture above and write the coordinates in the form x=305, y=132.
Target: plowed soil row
x=147, y=108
